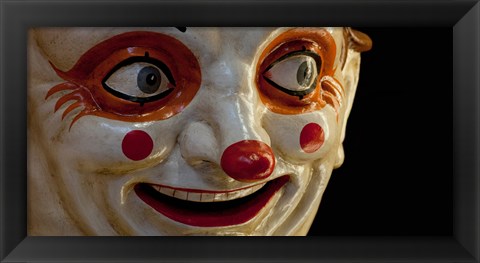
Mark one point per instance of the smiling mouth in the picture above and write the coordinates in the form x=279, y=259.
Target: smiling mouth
x=209, y=208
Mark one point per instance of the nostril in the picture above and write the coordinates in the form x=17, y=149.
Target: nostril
x=248, y=161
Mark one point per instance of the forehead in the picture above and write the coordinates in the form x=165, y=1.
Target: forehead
x=64, y=46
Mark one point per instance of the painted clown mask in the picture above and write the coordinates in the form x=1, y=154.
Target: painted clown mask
x=185, y=131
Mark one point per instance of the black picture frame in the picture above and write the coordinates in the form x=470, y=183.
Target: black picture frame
x=462, y=16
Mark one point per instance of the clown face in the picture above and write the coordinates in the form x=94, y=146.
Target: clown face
x=196, y=131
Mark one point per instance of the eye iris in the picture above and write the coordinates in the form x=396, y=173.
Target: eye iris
x=304, y=74
x=148, y=80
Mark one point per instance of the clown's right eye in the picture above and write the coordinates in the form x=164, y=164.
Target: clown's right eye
x=295, y=74
x=139, y=79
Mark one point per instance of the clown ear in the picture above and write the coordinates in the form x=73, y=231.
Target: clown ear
x=357, y=42
x=350, y=71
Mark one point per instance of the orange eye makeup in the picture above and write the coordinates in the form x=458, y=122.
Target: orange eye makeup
x=134, y=77
x=295, y=72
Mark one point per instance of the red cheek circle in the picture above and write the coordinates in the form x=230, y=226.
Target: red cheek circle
x=312, y=137
x=137, y=145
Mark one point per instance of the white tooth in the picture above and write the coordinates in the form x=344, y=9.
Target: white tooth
x=219, y=197
x=207, y=197
x=181, y=195
x=167, y=191
x=257, y=187
x=227, y=196
x=194, y=197
x=234, y=195
x=248, y=191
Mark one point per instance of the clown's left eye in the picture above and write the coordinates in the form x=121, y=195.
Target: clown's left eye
x=139, y=81
x=295, y=74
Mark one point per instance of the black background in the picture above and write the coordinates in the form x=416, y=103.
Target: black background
x=397, y=174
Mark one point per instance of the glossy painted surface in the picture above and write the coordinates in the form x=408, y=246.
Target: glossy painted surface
x=94, y=68
x=211, y=131
x=137, y=145
x=248, y=161
x=312, y=137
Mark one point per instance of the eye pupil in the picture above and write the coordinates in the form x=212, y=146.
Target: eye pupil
x=304, y=74
x=149, y=79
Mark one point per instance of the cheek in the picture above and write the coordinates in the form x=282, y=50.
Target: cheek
x=137, y=145
x=303, y=137
x=312, y=137
x=96, y=143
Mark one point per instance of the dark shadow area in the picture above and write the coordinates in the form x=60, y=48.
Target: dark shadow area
x=397, y=174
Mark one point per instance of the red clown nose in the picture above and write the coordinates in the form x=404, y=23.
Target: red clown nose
x=248, y=161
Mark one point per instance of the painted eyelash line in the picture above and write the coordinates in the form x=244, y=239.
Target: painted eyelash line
x=146, y=58
x=333, y=92
x=309, y=53
x=79, y=94
x=299, y=94
x=83, y=97
x=82, y=84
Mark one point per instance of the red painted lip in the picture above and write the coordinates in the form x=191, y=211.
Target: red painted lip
x=211, y=214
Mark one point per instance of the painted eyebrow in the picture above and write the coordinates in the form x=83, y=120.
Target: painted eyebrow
x=182, y=29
